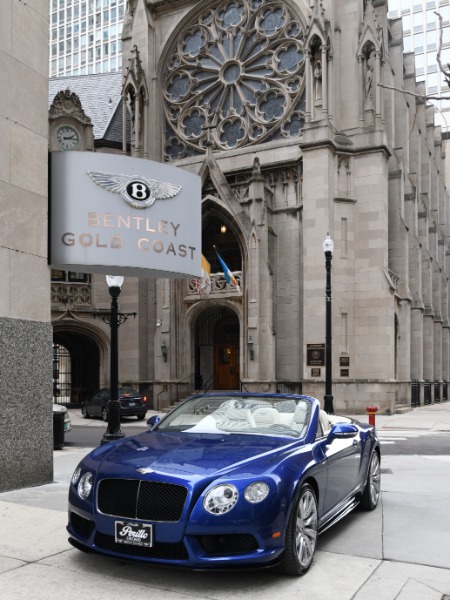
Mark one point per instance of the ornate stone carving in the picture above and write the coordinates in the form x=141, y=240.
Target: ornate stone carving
x=238, y=72
x=67, y=104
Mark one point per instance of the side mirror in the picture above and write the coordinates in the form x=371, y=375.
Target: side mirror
x=342, y=431
x=153, y=421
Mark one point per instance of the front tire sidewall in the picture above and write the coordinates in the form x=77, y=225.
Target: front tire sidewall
x=371, y=493
x=301, y=533
x=105, y=414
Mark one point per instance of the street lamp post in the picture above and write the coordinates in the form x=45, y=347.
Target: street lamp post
x=114, y=431
x=328, y=398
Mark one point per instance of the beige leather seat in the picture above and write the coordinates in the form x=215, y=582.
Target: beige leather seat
x=266, y=416
x=325, y=421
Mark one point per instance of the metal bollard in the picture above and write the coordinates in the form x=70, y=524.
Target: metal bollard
x=372, y=411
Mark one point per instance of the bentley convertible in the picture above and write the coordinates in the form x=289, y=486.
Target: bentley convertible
x=226, y=480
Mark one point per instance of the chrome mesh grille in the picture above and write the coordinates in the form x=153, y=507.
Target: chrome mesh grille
x=145, y=500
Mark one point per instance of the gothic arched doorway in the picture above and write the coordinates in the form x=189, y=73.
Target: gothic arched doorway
x=76, y=367
x=217, y=352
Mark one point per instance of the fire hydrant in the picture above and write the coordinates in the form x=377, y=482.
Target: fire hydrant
x=372, y=411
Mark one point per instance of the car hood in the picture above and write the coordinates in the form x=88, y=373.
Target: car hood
x=194, y=456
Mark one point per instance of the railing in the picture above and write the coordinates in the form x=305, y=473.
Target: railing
x=437, y=391
x=169, y=386
x=208, y=384
x=415, y=394
x=243, y=387
x=219, y=285
x=427, y=392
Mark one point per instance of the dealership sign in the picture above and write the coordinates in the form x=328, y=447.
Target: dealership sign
x=123, y=216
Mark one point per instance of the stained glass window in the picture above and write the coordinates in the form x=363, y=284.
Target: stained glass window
x=235, y=78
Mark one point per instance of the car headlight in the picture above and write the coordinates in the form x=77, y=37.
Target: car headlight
x=76, y=475
x=220, y=499
x=256, y=492
x=85, y=485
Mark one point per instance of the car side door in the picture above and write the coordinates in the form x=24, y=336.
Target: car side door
x=342, y=449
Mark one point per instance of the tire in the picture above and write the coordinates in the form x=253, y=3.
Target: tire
x=371, y=493
x=84, y=412
x=301, y=533
x=105, y=414
x=140, y=417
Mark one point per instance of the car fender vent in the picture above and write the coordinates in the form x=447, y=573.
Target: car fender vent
x=386, y=471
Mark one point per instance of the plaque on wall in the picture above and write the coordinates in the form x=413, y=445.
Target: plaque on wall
x=344, y=361
x=315, y=355
x=315, y=372
x=345, y=372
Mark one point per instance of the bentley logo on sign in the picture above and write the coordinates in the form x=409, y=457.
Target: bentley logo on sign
x=137, y=191
x=121, y=215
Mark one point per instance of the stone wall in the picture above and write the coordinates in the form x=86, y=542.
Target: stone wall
x=26, y=440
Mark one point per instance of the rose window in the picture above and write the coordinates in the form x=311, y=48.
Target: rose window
x=236, y=78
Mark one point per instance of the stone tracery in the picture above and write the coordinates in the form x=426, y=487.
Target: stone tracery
x=236, y=78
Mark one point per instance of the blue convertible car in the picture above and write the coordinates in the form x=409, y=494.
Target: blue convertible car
x=225, y=480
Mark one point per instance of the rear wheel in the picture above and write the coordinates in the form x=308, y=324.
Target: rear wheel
x=371, y=493
x=84, y=412
x=140, y=417
x=301, y=534
x=105, y=414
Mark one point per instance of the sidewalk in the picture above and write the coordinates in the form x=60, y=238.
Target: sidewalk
x=400, y=551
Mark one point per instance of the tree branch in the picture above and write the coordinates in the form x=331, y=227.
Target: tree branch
x=446, y=73
x=418, y=96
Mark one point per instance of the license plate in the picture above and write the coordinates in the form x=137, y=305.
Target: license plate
x=131, y=403
x=136, y=534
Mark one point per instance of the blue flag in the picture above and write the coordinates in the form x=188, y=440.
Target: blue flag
x=229, y=277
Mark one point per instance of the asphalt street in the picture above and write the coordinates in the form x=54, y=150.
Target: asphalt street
x=88, y=434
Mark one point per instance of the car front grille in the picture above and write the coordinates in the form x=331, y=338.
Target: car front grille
x=145, y=500
x=159, y=550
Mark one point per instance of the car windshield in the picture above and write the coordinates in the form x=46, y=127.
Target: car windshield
x=128, y=391
x=269, y=415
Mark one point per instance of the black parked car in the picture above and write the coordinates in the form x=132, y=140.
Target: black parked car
x=132, y=404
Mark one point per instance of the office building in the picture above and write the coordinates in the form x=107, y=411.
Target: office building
x=422, y=31
x=85, y=36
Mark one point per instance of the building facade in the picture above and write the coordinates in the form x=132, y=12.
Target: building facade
x=85, y=36
x=291, y=112
x=26, y=438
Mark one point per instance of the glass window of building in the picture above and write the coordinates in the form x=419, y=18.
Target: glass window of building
x=418, y=42
x=407, y=44
x=446, y=35
x=405, y=5
x=432, y=40
x=406, y=23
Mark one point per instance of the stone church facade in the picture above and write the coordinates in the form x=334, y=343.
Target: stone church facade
x=292, y=114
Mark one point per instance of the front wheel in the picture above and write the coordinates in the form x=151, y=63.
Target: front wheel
x=140, y=417
x=371, y=493
x=104, y=414
x=84, y=412
x=301, y=534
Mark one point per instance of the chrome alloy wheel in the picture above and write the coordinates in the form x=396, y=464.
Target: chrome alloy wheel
x=374, y=479
x=306, y=527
